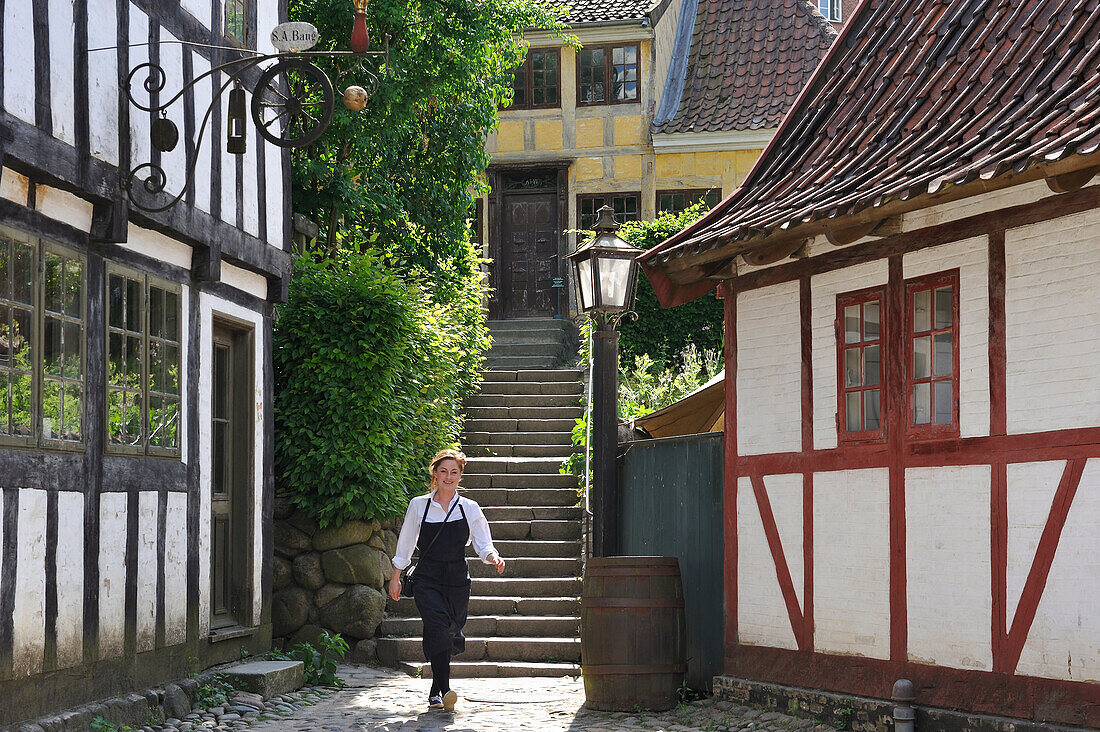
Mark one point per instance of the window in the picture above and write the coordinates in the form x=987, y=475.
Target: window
x=859, y=335
x=831, y=9
x=537, y=82
x=41, y=343
x=236, y=21
x=932, y=378
x=625, y=206
x=607, y=75
x=143, y=364
x=677, y=201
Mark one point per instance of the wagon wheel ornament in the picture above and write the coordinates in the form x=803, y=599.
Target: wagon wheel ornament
x=293, y=103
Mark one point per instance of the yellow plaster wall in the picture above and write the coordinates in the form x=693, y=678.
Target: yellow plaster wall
x=590, y=132
x=630, y=130
x=548, y=134
x=510, y=136
x=628, y=167
x=589, y=168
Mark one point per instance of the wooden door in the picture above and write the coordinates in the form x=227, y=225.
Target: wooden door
x=231, y=429
x=530, y=249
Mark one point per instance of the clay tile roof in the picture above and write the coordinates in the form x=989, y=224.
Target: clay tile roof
x=749, y=59
x=592, y=11
x=916, y=96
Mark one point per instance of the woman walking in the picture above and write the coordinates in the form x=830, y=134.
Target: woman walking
x=440, y=525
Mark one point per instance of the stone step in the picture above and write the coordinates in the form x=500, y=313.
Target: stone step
x=497, y=465
x=527, y=324
x=493, y=625
x=533, y=513
x=525, y=337
x=520, y=426
x=522, y=400
x=469, y=439
x=526, y=587
x=532, y=387
x=541, y=375
x=482, y=605
x=530, y=567
x=487, y=497
x=521, y=362
x=545, y=650
x=559, y=451
x=556, y=530
x=537, y=548
x=520, y=482
x=490, y=669
x=525, y=414
x=541, y=347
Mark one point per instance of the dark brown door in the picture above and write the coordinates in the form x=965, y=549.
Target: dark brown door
x=231, y=429
x=530, y=249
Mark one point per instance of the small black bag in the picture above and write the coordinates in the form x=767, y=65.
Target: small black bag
x=408, y=575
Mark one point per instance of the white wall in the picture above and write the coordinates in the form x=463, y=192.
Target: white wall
x=948, y=566
x=971, y=258
x=762, y=617
x=1052, y=318
x=852, y=562
x=62, y=91
x=824, y=289
x=175, y=570
x=29, y=617
x=769, y=370
x=19, y=71
x=147, y=553
x=70, y=578
x=1064, y=642
x=112, y=574
x=103, y=86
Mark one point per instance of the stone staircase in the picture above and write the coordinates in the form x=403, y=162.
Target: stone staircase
x=531, y=343
x=526, y=622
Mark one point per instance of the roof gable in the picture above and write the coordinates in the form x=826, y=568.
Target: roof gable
x=917, y=96
x=749, y=59
x=603, y=11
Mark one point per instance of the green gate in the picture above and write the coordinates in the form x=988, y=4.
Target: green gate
x=670, y=504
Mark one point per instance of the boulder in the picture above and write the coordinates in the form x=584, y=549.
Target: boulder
x=307, y=634
x=176, y=702
x=289, y=610
x=377, y=541
x=282, y=509
x=303, y=523
x=281, y=574
x=353, y=565
x=289, y=541
x=357, y=613
x=328, y=593
x=346, y=534
x=308, y=572
x=389, y=538
x=385, y=566
x=365, y=651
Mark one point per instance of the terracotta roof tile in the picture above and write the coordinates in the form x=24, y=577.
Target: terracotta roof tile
x=916, y=96
x=749, y=59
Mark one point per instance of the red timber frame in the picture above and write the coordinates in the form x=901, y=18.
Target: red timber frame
x=1000, y=691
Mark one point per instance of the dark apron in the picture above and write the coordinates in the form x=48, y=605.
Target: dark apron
x=443, y=584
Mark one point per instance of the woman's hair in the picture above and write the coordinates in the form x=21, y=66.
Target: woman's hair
x=457, y=455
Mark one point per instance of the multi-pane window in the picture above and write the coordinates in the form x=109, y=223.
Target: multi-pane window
x=933, y=348
x=143, y=364
x=607, y=75
x=236, y=21
x=625, y=206
x=676, y=201
x=41, y=343
x=831, y=9
x=860, y=353
x=537, y=82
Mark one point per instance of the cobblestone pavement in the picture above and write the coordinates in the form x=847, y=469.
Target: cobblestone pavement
x=381, y=699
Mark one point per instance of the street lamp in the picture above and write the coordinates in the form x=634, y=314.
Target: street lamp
x=604, y=270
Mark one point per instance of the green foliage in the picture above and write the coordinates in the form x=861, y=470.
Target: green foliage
x=664, y=334
x=99, y=724
x=215, y=691
x=371, y=367
x=402, y=173
x=650, y=386
x=321, y=661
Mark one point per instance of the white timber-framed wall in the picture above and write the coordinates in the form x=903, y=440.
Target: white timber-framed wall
x=967, y=559
x=105, y=545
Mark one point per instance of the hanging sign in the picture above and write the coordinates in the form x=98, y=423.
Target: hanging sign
x=294, y=37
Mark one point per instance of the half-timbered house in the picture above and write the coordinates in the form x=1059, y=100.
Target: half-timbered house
x=135, y=378
x=911, y=275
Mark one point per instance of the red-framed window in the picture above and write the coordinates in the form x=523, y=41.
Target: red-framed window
x=932, y=354
x=536, y=83
x=859, y=357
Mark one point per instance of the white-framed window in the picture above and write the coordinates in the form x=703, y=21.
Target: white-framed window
x=831, y=9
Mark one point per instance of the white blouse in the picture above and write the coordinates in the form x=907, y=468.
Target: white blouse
x=410, y=529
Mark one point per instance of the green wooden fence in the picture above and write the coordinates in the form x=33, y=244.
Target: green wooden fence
x=670, y=504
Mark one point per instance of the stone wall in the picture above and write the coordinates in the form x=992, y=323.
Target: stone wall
x=332, y=578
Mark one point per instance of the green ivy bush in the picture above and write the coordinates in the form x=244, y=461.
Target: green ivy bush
x=372, y=362
x=665, y=334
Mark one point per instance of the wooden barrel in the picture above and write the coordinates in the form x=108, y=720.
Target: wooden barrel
x=632, y=633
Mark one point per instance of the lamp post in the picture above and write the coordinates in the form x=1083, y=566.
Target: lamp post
x=604, y=270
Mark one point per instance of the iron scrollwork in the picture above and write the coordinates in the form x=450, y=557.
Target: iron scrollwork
x=292, y=105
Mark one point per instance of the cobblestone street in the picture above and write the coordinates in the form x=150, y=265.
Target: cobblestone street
x=380, y=699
